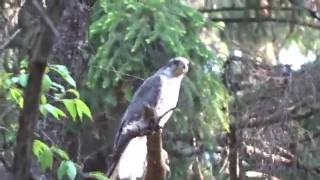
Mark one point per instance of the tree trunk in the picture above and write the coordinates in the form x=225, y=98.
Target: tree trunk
x=30, y=111
x=156, y=167
x=69, y=47
x=233, y=158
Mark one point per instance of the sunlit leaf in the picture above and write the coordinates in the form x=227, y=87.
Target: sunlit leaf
x=43, y=154
x=67, y=170
x=82, y=108
x=17, y=95
x=71, y=81
x=74, y=92
x=54, y=111
x=64, y=73
x=43, y=111
x=46, y=159
x=23, y=80
x=98, y=175
x=43, y=99
x=71, y=107
x=46, y=83
x=37, y=147
x=61, y=153
x=58, y=87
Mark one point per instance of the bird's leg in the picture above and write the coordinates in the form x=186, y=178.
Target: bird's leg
x=159, y=118
x=153, y=119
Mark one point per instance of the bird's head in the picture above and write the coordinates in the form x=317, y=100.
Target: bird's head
x=177, y=66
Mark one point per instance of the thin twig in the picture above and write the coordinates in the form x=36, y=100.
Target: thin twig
x=275, y=158
x=267, y=19
x=212, y=10
x=5, y=164
x=5, y=44
x=159, y=119
x=48, y=137
x=45, y=17
x=2, y=128
x=276, y=117
x=121, y=73
x=3, y=16
x=93, y=153
x=136, y=77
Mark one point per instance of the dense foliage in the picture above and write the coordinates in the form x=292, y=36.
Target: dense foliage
x=135, y=38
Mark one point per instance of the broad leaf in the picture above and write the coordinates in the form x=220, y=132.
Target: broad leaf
x=17, y=95
x=67, y=170
x=98, y=175
x=46, y=83
x=43, y=154
x=64, y=73
x=71, y=107
x=61, y=153
x=46, y=159
x=58, y=87
x=38, y=147
x=23, y=80
x=54, y=111
x=43, y=99
x=74, y=92
x=82, y=108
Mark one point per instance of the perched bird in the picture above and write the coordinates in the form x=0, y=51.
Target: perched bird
x=158, y=93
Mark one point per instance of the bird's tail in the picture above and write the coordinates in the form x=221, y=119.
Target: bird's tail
x=112, y=167
x=117, y=152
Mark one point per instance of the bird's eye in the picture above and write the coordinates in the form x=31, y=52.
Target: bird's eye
x=176, y=63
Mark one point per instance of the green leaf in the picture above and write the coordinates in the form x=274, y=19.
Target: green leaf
x=82, y=108
x=98, y=175
x=61, y=153
x=17, y=95
x=43, y=99
x=67, y=170
x=74, y=92
x=37, y=147
x=46, y=159
x=43, y=111
x=12, y=80
x=71, y=107
x=23, y=80
x=64, y=73
x=71, y=81
x=43, y=154
x=54, y=111
x=59, y=86
x=46, y=83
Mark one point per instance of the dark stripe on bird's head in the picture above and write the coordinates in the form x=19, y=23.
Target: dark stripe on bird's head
x=179, y=65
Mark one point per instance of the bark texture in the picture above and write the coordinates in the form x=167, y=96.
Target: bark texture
x=69, y=47
x=233, y=151
x=156, y=165
x=29, y=114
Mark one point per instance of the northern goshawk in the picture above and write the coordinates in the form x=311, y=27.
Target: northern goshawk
x=159, y=92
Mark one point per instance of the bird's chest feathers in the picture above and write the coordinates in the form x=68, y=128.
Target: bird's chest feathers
x=169, y=94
